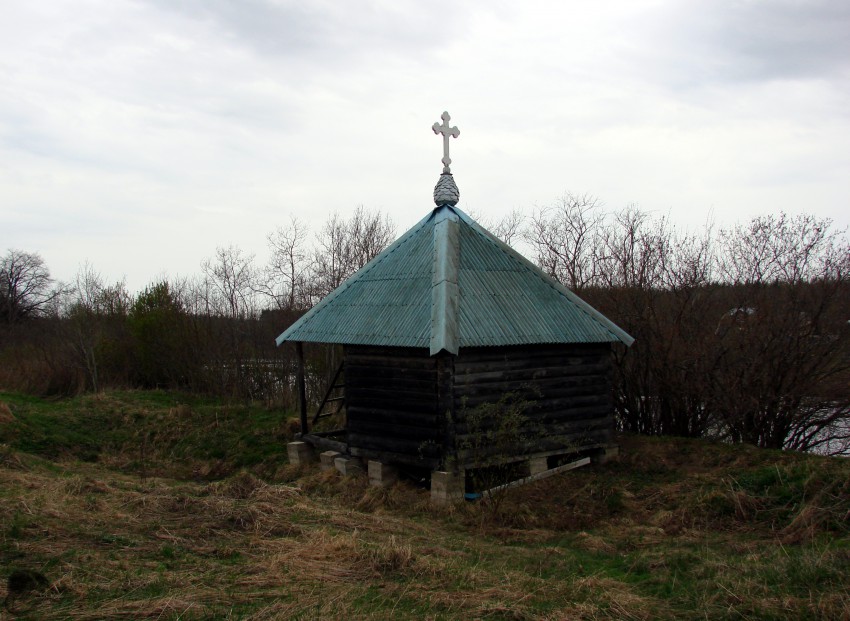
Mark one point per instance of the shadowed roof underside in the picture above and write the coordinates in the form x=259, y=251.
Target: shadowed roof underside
x=446, y=284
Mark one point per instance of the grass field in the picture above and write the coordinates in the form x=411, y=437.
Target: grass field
x=156, y=505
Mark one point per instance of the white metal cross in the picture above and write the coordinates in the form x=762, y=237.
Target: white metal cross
x=446, y=131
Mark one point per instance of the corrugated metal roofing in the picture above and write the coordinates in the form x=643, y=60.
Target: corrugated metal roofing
x=447, y=284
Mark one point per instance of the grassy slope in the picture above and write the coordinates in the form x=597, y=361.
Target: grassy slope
x=157, y=505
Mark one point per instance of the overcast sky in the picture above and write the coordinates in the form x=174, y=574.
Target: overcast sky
x=140, y=135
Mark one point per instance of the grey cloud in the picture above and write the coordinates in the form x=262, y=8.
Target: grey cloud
x=721, y=41
x=776, y=40
x=326, y=31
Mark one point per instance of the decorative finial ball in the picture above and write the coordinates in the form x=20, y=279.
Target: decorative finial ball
x=446, y=192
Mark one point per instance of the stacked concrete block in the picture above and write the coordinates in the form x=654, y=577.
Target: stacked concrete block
x=536, y=465
x=381, y=475
x=327, y=459
x=300, y=453
x=348, y=466
x=447, y=487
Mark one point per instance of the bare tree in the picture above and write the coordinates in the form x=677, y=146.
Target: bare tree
x=369, y=232
x=344, y=246
x=229, y=289
x=231, y=279
x=636, y=249
x=652, y=281
x=783, y=337
x=26, y=288
x=285, y=278
x=96, y=327
x=567, y=239
x=510, y=228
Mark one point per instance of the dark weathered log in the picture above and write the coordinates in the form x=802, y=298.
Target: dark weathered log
x=410, y=407
x=539, y=373
x=377, y=415
x=325, y=444
x=563, y=355
x=562, y=443
x=389, y=381
x=388, y=457
x=421, y=353
x=586, y=368
x=445, y=402
x=595, y=383
x=389, y=401
x=408, y=432
x=475, y=395
x=395, y=445
x=333, y=433
x=395, y=371
x=390, y=362
x=531, y=430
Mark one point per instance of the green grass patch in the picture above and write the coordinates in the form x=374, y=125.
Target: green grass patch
x=149, y=432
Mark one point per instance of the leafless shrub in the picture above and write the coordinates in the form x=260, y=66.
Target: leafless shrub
x=740, y=334
x=286, y=277
x=344, y=246
x=568, y=241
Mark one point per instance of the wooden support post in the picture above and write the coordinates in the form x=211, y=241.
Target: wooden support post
x=302, y=388
x=445, y=409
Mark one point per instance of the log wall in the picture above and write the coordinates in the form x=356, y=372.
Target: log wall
x=392, y=405
x=404, y=406
x=555, y=398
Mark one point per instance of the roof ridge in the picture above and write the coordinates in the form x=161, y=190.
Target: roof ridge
x=444, y=281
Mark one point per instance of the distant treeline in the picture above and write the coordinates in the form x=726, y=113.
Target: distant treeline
x=741, y=333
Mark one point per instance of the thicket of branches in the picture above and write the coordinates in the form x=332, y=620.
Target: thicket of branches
x=213, y=333
x=741, y=332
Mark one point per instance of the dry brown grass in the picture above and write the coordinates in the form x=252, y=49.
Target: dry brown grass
x=597, y=544
x=617, y=600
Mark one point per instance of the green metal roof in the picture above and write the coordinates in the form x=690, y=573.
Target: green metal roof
x=446, y=284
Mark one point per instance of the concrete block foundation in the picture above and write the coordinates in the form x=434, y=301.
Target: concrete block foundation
x=300, y=453
x=447, y=487
x=536, y=465
x=348, y=466
x=326, y=460
x=381, y=475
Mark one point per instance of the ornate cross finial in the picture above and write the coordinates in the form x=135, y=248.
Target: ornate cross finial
x=446, y=131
